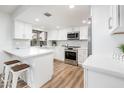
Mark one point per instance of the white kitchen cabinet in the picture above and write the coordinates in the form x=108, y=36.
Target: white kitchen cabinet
x=18, y=30
x=82, y=55
x=53, y=35
x=59, y=53
x=62, y=34
x=57, y=34
x=84, y=33
x=103, y=72
x=116, y=19
x=22, y=30
x=28, y=31
x=75, y=29
x=49, y=35
x=113, y=20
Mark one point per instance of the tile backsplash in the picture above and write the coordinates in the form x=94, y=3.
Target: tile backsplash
x=21, y=43
x=81, y=43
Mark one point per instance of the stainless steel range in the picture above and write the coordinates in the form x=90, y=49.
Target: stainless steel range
x=71, y=55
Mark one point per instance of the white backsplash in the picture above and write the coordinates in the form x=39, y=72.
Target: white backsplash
x=81, y=43
x=21, y=43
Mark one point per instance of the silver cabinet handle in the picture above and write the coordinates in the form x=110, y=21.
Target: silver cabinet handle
x=109, y=23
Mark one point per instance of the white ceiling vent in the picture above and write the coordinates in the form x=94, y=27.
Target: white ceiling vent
x=47, y=14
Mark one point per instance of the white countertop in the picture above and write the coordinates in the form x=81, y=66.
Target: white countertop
x=105, y=64
x=28, y=52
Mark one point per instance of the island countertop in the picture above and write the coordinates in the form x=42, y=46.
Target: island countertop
x=28, y=52
x=105, y=64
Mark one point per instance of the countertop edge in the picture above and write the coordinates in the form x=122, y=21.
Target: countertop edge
x=102, y=70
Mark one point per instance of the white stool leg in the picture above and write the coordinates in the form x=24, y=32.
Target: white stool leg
x=9, y=79
x=14, y=80
x=3, y=73
x=6, y=76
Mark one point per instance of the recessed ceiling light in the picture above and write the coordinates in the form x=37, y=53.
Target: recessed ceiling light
x=84, y=21
x=71, y=6
x=37, y=20
x=89, y=22
x=57, y=27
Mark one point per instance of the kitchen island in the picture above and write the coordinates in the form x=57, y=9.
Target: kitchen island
x=40, y=61
x=103, y=72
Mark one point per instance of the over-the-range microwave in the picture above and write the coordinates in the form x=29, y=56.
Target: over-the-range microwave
x=73, y=35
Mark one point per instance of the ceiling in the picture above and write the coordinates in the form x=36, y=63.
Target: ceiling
x=8, y=8
x=62, y=15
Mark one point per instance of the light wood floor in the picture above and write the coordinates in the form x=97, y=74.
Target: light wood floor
x=65, y=76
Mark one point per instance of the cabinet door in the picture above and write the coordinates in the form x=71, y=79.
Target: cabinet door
x=49, y=35
x=82, y=55
x=62, y=34
x=53, y=35
x=19, y=29
x=75, y=29
x=113, y=21
x=59, y=53
x=84, y=33
x=28, y=31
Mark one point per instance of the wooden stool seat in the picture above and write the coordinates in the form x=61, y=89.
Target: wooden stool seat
x=11, y=62
x=19, y=67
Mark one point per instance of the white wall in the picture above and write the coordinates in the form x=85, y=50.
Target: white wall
x=5, y=37
x=102, y=41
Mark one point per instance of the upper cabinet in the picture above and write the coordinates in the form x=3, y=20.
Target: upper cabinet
x=62, y=34
x=84, y=33
x=58, y=34
x=52, y=35
x=116, y=19
x=22, y=30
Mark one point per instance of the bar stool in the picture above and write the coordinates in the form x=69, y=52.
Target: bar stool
x=6, y=68
x=16, y=71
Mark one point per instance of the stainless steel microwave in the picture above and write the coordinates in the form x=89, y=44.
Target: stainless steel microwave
x=73, y=35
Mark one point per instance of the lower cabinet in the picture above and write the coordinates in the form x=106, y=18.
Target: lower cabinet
x=59, y=53
x=82, y=55
x=100, y=79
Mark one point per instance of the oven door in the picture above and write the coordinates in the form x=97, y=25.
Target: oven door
x=71, y=57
